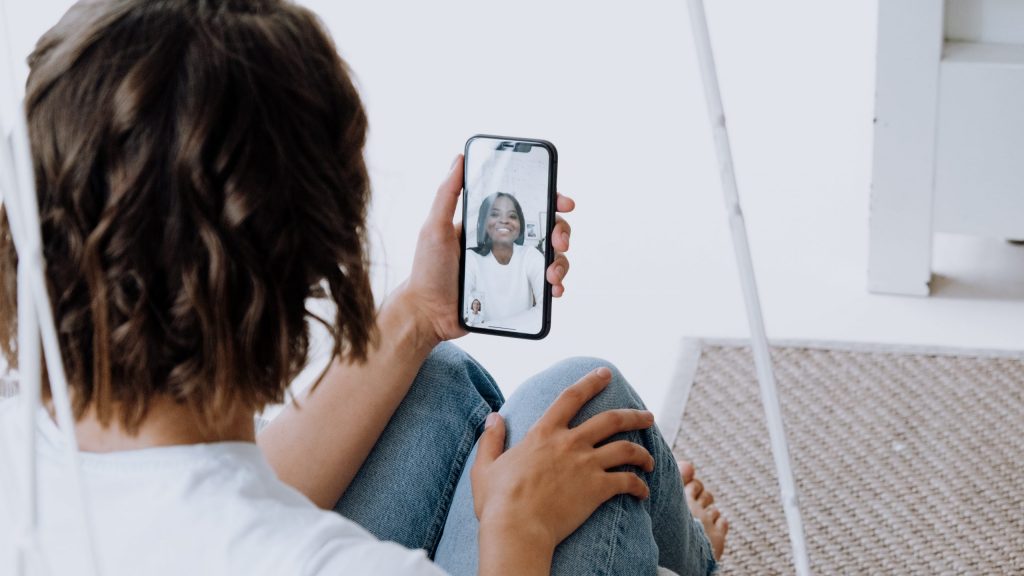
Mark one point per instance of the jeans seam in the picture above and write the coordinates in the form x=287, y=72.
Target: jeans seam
x=444, y=504
x=616, y=533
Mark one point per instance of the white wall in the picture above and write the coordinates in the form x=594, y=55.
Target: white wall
x=997, y=21
x=616, y=88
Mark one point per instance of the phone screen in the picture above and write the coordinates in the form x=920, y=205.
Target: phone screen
x=507, y=217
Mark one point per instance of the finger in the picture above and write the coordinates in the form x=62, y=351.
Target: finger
x=458, y=229
x=443, y=209
x=558, y=270
x=560, y=235
x=564, y=204
x=693, y=489
x=572, y=399
x=707, y=498
x=686, y=471
x=625, y=483
x=612, y=422
x=492, y=441
x=624, y=453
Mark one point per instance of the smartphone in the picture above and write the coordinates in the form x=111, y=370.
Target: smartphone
x=508, y=213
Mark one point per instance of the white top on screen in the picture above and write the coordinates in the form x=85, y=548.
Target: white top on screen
x=513, y=293
x=212, y=509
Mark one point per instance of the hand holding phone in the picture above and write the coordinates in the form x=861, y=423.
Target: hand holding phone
x=508, y=216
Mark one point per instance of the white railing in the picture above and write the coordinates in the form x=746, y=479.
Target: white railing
x=35, y=324
x=745, y=264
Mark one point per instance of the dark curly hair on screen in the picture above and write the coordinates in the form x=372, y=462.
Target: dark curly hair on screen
x=200, y=176
x=483, y=239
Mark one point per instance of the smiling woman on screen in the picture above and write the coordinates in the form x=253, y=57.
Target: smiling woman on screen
x=500, y=266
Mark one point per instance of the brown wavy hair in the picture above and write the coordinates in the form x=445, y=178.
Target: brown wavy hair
x=200, y=176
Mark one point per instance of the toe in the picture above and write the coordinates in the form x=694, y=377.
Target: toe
x=715, y=514
x=686, y=471
x=706, y=498
x=694, y=488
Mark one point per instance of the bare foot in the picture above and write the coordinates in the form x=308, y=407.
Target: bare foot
x=701, y=503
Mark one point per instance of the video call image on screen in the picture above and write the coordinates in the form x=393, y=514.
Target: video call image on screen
x=506, y=230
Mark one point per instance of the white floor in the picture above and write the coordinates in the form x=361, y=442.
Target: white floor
x=615, y=86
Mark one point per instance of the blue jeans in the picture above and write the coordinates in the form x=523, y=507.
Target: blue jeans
x=414, y=488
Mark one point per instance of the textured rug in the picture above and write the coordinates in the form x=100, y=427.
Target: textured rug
x=907, y=461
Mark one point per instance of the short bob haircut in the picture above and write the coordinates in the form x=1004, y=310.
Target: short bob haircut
x=200, y=176
x=483, y=239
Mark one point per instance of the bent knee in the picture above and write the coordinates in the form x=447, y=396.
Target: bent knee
x=446, y=359
x=584, y=365
x=549, y=384
x=451, y=369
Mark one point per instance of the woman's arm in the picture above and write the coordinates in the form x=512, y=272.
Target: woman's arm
x=318, y=444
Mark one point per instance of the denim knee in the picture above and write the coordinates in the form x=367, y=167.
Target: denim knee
x=446, y=359
x=450, y=369
x=546, y=386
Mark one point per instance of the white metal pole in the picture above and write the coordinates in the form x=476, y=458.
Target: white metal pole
x=745, y=264
x=30, y=376
x=23, y=214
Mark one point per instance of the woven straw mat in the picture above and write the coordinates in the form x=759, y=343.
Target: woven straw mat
x=905, y=463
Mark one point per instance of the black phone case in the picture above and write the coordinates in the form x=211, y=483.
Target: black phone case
x=549, y=250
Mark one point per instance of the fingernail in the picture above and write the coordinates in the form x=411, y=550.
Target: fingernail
x=454, y=162
x=491, y=420
x=604, y=372
x=560, y=270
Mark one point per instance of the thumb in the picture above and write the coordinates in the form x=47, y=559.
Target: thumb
x=492, y=441
x=448, y=193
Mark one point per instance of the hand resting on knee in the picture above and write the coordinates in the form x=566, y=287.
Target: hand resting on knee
x=532, y=496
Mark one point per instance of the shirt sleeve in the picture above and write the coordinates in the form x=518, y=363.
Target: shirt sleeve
x=535, y=274
x=472, y=268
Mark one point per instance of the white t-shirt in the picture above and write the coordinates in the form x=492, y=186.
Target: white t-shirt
x=506, y=290
x=475, y=318
x=214, y=509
